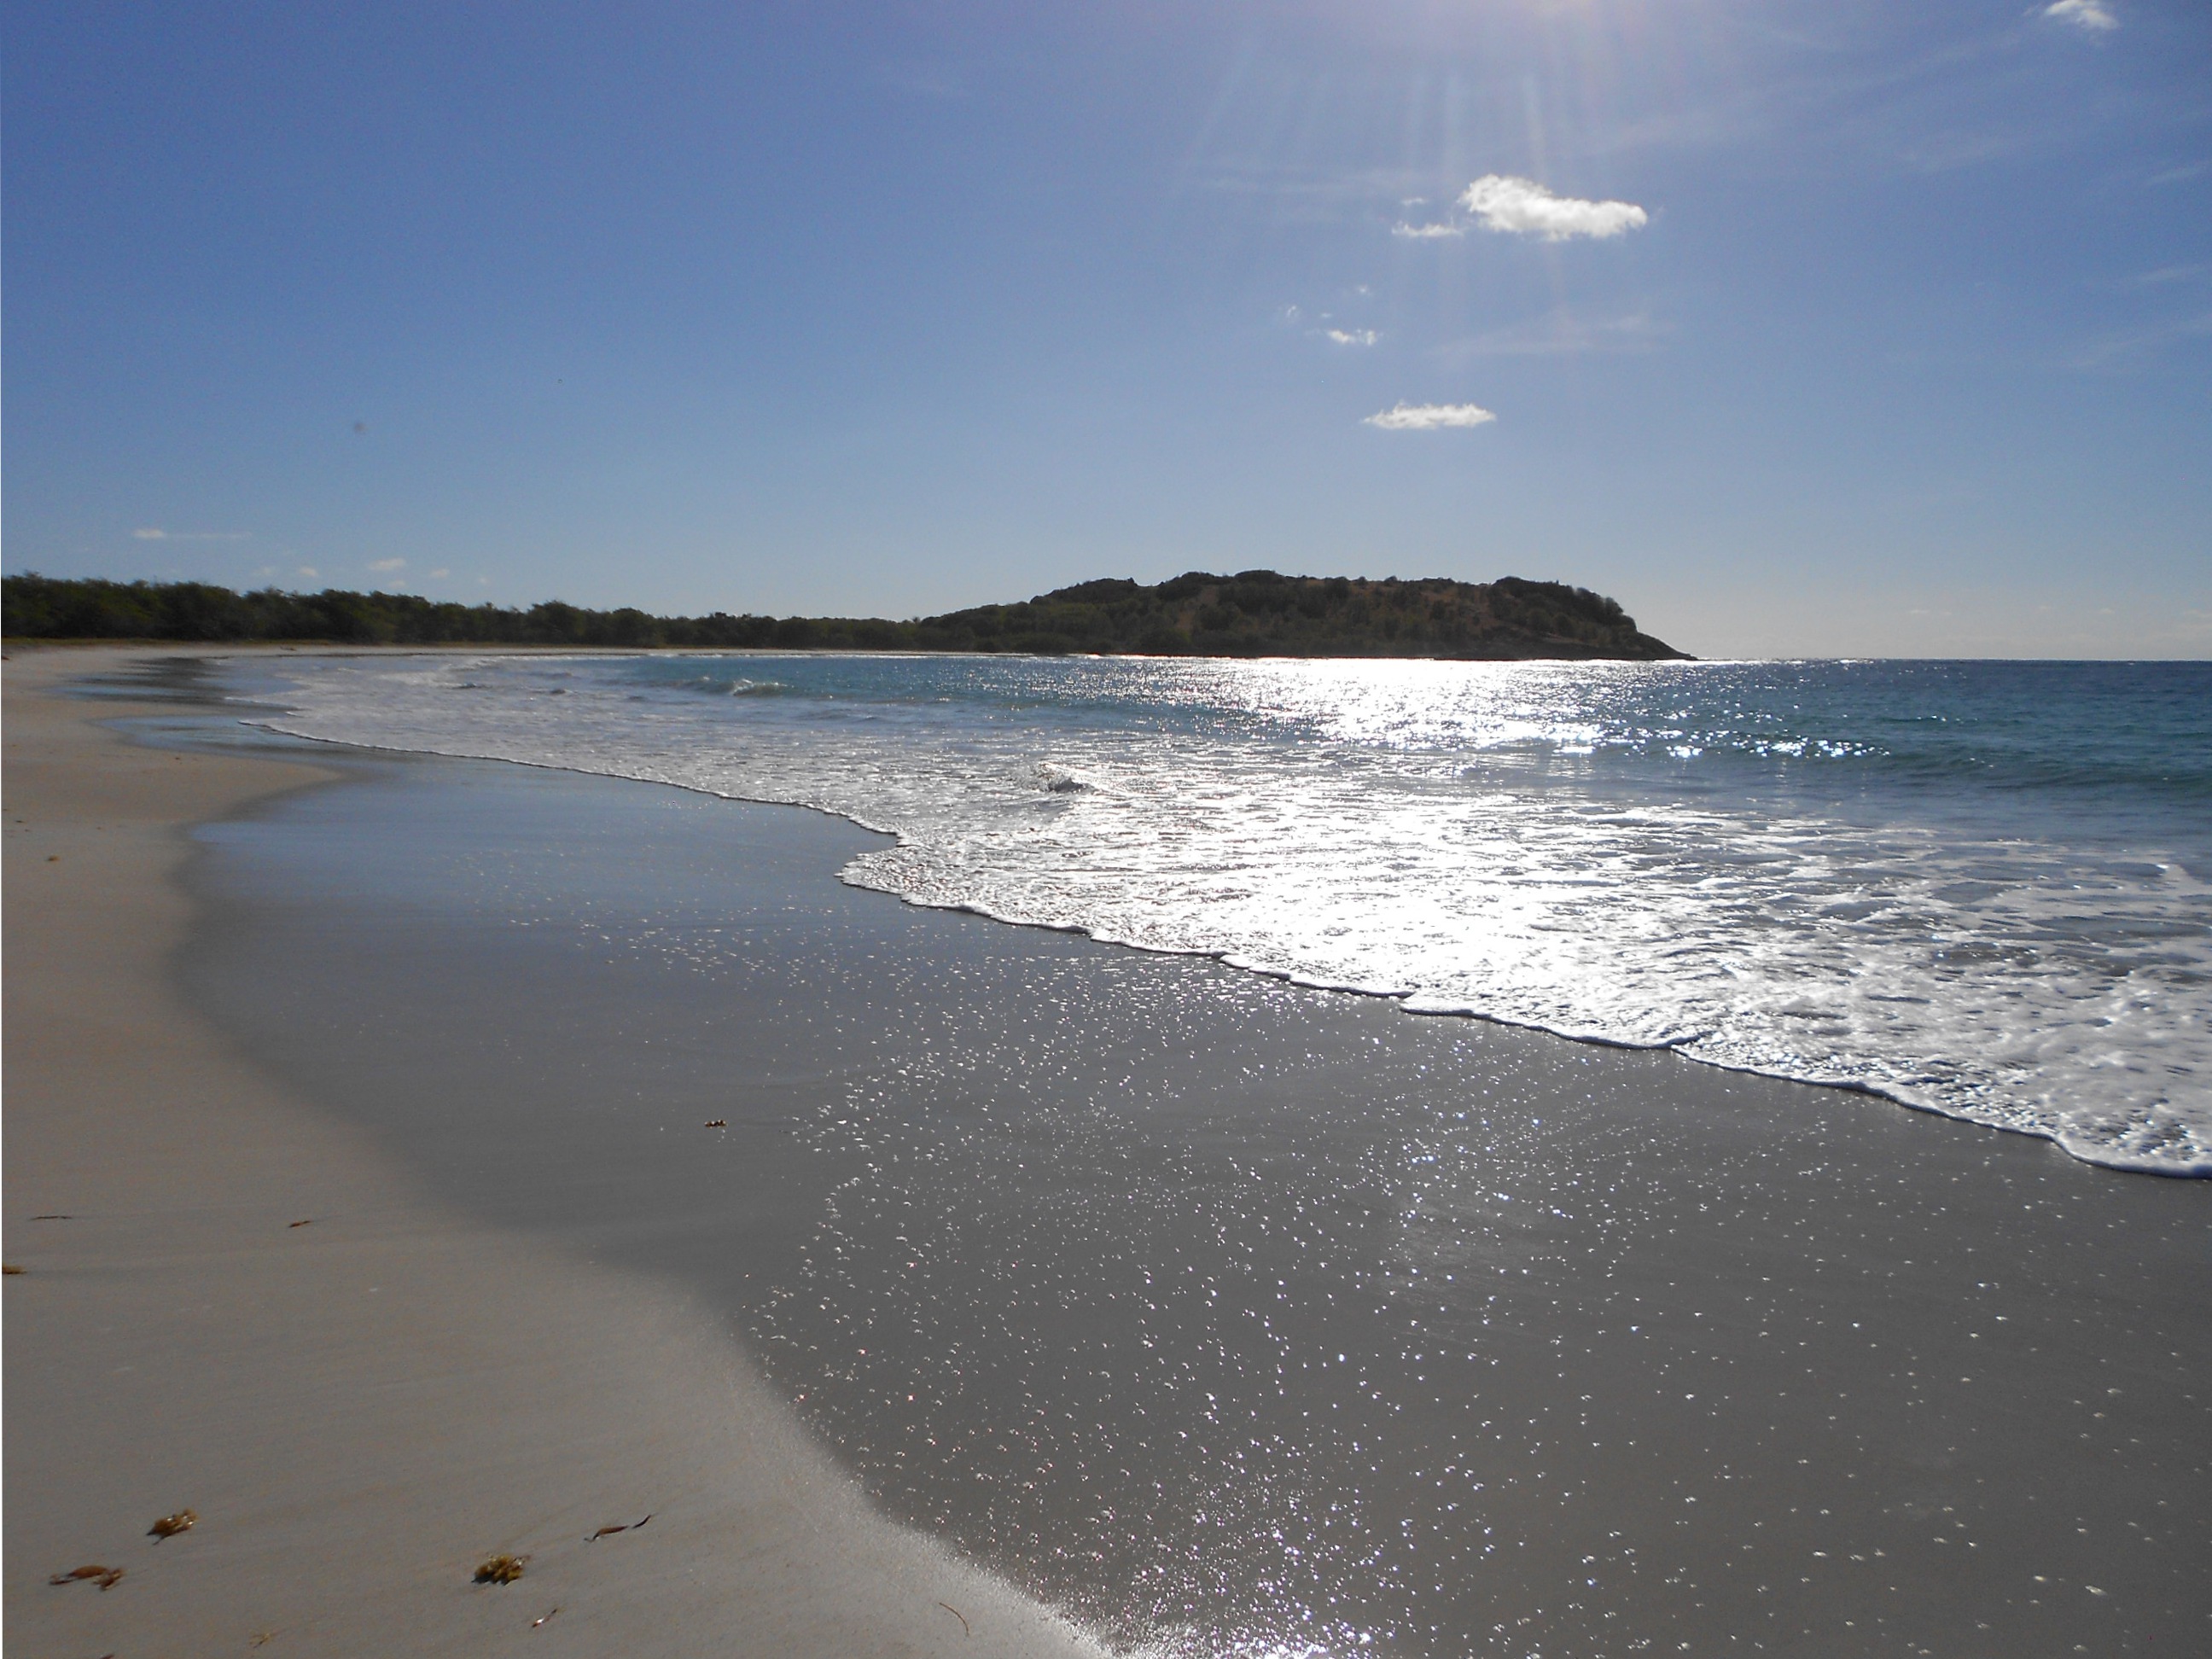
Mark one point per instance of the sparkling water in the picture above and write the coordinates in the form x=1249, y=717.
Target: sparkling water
x=1980, y=889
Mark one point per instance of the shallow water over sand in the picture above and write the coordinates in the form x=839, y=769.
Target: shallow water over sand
x=1982, y=888
x=1241, y=1318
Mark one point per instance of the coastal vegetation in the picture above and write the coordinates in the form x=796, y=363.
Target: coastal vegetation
x=1253, y=613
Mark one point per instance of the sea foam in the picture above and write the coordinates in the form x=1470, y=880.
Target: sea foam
x=1979, y=889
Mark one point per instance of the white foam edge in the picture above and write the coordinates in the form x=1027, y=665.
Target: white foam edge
x=1412, y=1001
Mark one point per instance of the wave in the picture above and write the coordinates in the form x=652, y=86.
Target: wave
x=1906, y=940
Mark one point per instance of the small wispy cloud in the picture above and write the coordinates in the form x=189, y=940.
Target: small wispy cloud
x=307, y=570
x=1426, y=232
x=2082, y=14
x=2168, y=273
x=440, y=574
x=1562, y=333
x=1429, y=417
x=1521, y=207
x=1973, y=147
x=2125, y=349
x=156, y=533
x=1351, y=336
x=385, y=567
x=922, y=80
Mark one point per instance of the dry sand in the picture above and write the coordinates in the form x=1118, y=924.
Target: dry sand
x=362, y=1408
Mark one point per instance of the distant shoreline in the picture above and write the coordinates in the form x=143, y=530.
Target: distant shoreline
x=1255, y=613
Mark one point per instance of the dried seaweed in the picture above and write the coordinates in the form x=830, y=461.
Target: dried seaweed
x=500, y=1569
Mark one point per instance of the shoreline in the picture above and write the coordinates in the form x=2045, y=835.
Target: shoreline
x=363, y=1407
x=967, y=1174
x=1061, y=1247
x=1902, y=1095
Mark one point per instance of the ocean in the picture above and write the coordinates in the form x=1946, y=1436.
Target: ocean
x=1232, y=1317
x=1979, y=888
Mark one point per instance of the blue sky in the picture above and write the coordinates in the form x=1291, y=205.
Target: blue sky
x=1846, y=327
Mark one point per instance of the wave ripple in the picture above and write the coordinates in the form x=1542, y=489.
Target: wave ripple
x=1981, y=890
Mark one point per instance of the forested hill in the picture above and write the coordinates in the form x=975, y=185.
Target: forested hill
x=1252, y=614
x=1259, y=614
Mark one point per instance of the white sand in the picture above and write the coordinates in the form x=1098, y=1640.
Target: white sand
x=361, y=1409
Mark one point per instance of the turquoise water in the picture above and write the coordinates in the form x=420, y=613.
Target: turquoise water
x=1981, y=889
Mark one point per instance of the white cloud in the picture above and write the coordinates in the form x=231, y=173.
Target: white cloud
x=1428, y=417
x=309, y=570
x=440, y=574
x=387, y=566
x=1358, y=336
x=2084, y=14
x=1521, y=207
x=151, y=535
x=1425, y=233
x=155, y=533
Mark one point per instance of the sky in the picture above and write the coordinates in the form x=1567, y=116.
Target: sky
x=1855, y=327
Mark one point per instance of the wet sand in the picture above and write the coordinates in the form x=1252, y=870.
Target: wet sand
x=1236, y=1317
x=361, y=1408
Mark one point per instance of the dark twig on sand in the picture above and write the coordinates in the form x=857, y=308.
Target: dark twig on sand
x=957, y=1613
x=620, y=1526
x=106, y=1578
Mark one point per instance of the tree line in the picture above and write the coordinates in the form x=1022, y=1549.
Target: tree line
x=1252, y=613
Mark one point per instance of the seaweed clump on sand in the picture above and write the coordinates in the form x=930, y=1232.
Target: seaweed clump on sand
x=107, y=1577
x=500, y=1569
x=170, y=1525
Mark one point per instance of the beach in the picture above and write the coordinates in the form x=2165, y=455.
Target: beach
x=650, y=1169
x=362, y=1408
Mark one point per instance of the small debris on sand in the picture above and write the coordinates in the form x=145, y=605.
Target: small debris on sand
x=308, y=1222
x=718, y=1123
x=500, y=1569
x=957, y=1613
x=53, y=1217
x=542, y=1617
x=9, y=1267
x=170, y=1525
x=106, y=1578
x=620, y=1526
